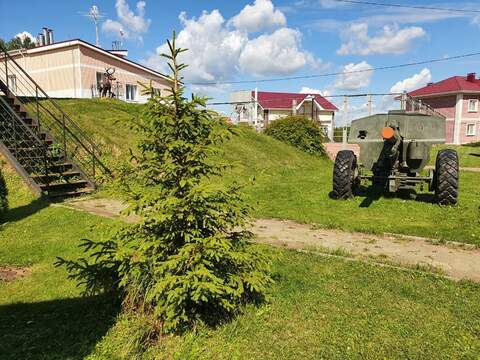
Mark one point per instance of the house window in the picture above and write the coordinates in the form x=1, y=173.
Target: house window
x=12, y=83
x=470, y=129
x=117, y=89
x=265, y=117
x=472, y=105
x=99, y=81
x=131, y=92
x=324, y=130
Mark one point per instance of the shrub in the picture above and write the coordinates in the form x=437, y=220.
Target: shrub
x=3, y=194
x=190, y=258
x=298, y=131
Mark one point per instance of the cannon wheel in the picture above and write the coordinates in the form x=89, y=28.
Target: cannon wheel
x=446, y=177
x=345, y=174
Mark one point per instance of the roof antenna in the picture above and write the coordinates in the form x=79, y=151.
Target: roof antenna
x=96, y=17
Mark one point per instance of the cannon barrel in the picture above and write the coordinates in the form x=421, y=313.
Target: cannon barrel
x=392, y=141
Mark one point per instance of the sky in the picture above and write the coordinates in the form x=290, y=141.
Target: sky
x=263, y=39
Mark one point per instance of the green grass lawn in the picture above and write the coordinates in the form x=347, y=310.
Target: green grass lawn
x=43, y=315
x=282, y=182
x=291, y=185
x=469, y=156
x=318, y=307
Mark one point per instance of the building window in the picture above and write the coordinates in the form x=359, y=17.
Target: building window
x=117, y=89
x=131, y=92
x=12, y=83
x=472, y=105
x=470, y=129
x=157, y=92
x=99, y=77
x=265, y=117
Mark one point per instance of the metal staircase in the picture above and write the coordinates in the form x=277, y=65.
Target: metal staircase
x=45, y=146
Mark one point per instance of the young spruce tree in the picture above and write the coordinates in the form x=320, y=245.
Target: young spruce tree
x=190, y=258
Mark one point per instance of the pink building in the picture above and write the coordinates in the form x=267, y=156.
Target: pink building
x=457, y=99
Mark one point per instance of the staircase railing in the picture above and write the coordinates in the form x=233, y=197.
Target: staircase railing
x=411, y=104
x=28, y=150
x=68, y=139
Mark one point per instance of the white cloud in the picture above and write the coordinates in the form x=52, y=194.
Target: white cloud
x=392, y=40
x=476, y=20
x=218, y=52
x=114, y=27
x=416, y=81
x=308, y=90
x=276, y=53
x=213, y=50
x=25, y=34
x=359, y=77
x=261, y=15
x=132, y=24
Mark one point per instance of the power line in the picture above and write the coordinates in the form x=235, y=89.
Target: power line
x=306, y=94
x=418, y=7
x=337, y=73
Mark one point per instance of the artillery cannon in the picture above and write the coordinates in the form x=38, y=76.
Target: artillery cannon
x=394, y=149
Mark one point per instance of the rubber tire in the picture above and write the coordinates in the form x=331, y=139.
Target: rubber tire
x=344, y=174
x=446, y=177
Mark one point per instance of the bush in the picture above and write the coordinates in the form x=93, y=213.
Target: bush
x=298, y=131
x=190, y=259
x=3, y=194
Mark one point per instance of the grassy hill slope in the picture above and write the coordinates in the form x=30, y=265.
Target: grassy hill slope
x=282, y=182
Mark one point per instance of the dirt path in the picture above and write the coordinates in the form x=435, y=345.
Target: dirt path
x=454, y=261
x=10, y=273
x=457, y=262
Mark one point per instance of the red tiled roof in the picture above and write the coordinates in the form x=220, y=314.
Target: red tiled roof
x=450, y=85
x=276, y=100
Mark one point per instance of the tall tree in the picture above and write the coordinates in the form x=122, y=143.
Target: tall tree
x=17, y=43
x=190, y=258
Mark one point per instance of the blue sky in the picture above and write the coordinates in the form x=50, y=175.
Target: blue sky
x=257, y=39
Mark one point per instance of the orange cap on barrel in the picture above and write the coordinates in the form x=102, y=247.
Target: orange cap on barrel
x=388, y=133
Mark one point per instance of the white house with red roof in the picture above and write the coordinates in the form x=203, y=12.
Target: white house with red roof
x=457, y=99
x=259, y=108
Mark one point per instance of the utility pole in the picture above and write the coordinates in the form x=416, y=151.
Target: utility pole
x=369, y=102
x=313, y=98
x=255, y=109
x=403, y=101
x=345, y=123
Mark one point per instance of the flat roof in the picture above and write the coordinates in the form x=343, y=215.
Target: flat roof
x=67, y=43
